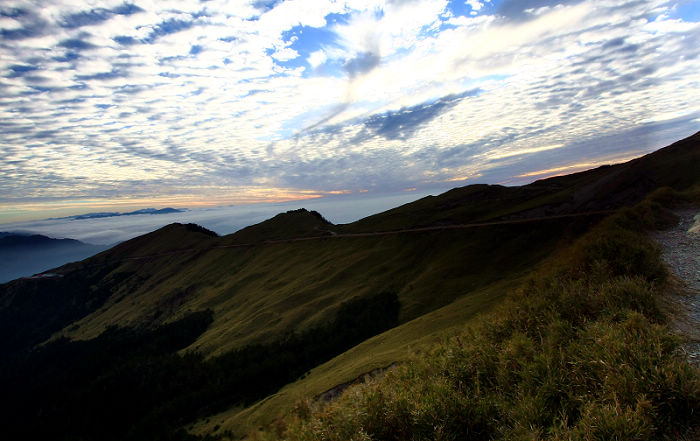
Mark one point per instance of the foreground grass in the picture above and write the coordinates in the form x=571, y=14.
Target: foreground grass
x=579, y=352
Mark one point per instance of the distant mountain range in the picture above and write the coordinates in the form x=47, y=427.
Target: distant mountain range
x=23, y=255
x=130, y=213
x=33, y=241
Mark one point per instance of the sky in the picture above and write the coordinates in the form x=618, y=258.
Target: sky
x=121, y=105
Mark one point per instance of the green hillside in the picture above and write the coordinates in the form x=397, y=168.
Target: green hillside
x=288, y=308
x=258, y=292
x=578, y=352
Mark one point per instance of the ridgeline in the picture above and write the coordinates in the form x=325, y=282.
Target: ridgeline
x=548, y=292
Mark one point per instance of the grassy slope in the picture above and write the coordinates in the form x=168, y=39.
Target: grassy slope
x=395, y=345
x=577, y=353
x=259, y=292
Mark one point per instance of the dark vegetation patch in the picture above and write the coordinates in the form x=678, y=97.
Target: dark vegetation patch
x=131, y=384
x=31, y=310
x=200, y=229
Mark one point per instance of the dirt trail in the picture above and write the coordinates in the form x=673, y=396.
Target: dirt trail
x=681, y=251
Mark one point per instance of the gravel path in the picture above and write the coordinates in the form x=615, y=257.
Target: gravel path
x=680, y=247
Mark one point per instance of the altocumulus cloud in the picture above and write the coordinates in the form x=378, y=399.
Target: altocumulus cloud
x=141, y=102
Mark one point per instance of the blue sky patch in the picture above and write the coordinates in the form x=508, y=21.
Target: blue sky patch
x=67, y=57
x=98, y=15
x=125, y=40
x=458, y=8
x=688, y=10
x=168, y=27
x=77, y=44
x=307, y=40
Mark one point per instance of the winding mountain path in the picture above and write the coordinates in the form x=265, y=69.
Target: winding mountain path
x=680, y=249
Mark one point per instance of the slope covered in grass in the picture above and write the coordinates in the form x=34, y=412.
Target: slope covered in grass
x=259, y=292
x=578, y=352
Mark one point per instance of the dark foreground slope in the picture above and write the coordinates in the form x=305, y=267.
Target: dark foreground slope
x=188, y=324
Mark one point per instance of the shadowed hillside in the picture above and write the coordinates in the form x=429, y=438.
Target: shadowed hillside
x=292, y=224
x=578, y=352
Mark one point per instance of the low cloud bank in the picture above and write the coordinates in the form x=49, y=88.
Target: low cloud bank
x=223, y=220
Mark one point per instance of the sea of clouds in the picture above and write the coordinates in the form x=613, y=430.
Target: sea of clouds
x=222, y=220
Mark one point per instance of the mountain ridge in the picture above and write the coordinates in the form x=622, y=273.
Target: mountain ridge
x=25, y=254
x=33, y=240
x=285, y=281
x=103, y=214
x=602, y=188
x=544, y=201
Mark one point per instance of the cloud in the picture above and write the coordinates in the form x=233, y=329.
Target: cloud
x=475, y=5
x=403, y=123
x=97, y=15
x=223, y=220
x=317, y=58
x=266, y=5
x=520, y=10
x=362, y=64
x=30, y=24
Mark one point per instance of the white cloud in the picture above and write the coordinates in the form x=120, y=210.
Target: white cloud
x=526, y=151
x=317, y=58
x=476, y=5
x=399, y=27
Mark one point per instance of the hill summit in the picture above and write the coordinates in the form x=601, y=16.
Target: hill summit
x=292, y=224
